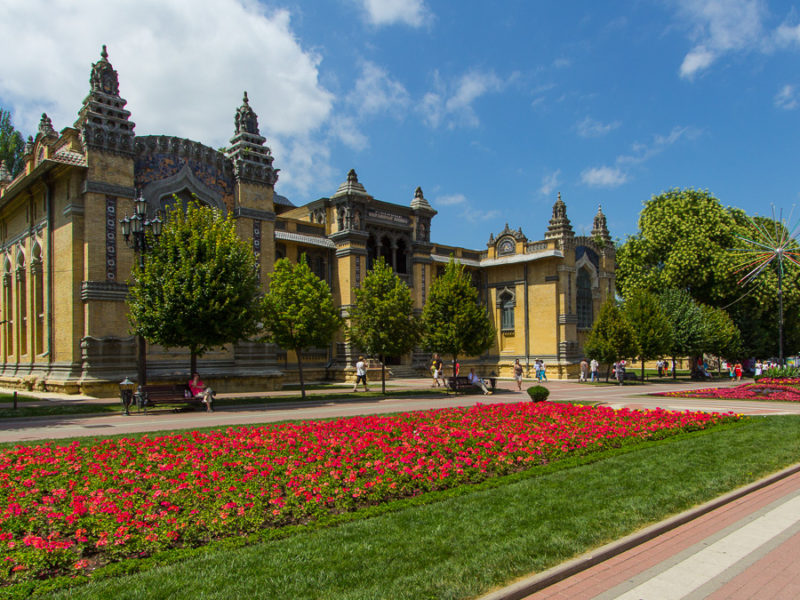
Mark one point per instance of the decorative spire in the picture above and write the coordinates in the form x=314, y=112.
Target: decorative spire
x=252, y=160
x=600, y=228
x=5, y=175
x=246, y=118
x=351, y=186
x=46, y=126
x=28, y=148
x=104, y=123
x=419, y=202
x=559, y=227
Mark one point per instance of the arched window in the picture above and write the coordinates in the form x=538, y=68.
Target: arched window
x=8, y=306
x=402, y=257
x=584, y=300
x=38, y=298
x=22, y=303
x=506, y=302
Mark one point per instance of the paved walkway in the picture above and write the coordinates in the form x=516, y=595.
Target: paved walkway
x=742, y=546
x=319, y=405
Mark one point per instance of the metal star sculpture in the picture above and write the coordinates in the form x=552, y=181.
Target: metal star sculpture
x=769, y=244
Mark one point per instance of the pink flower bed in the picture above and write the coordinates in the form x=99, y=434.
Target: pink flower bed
x=68, y=508
x=780, y=380
x=748, y=391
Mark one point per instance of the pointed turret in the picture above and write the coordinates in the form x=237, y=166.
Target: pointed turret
x=46, y=127
x=252, y=160
x=560, y=228
x=351, y=187
x=103, y=121
x=600, y=229
x=419, y=202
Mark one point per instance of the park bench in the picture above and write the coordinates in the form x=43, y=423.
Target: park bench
x=153, y=395
x=460, y=383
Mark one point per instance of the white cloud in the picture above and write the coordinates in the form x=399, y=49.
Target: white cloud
x=645, y=151
x=603, y=177
x=346, y=130
x=787, y=35
x=606, y=176
x=182, y=66
x=390, y=12
x=451, y=200
x=787, y=98
x=375, y=92
x=549, y=183
x=452, y=103
x=591, y=128
x=719, y=27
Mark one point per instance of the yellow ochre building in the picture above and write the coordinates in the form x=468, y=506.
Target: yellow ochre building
x=63, y=311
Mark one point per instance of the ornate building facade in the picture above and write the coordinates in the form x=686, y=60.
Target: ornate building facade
x=64, y=315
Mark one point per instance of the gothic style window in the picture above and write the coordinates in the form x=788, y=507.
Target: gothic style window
x=584, y=300
x=8, y=307
x=22, y=304
x=506, y=302
x=38, y=298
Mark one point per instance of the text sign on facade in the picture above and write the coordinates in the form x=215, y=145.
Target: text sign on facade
x=387, y=217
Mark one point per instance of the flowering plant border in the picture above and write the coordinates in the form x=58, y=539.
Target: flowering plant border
x=70, y=509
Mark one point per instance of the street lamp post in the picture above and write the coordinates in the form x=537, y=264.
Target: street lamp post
x=141, y=233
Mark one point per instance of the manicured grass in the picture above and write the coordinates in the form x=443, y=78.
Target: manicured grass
x=460, y=543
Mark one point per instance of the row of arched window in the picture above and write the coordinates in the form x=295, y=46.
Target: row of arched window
x=18, y=304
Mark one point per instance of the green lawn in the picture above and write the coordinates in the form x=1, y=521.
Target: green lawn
x=461, y=543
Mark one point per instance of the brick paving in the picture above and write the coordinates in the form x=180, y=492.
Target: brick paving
x=769, y=571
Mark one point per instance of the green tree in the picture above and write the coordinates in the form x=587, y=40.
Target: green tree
x=721, y=336
x=382, y=321
x=298, y=310
x=688, y=329
x=199, y=287
x=611, y=337
x=11, y=144
x=452, y=320
x=683, y=242
x=652, y=331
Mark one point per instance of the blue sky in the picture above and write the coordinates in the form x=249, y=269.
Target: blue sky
x=492, y=108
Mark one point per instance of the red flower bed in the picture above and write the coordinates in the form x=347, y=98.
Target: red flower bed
x=780, y=380
x=68, y=507
x=748, y=391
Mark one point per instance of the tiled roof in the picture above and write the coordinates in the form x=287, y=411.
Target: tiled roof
x=304, y=239
x=68, y=157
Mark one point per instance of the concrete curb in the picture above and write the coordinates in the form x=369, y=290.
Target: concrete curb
x=529, y=585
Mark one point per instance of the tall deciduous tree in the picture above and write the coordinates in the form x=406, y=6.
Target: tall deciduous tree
x=11, y=144
x=298, y=310
x=722, y=337
x=688, y=329
x=199, y=287
x=611, y=337
x=382, y=321
x=684, y=242
x=652, y=331
x=452, y=320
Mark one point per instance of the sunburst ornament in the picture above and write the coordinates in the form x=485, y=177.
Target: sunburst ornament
x=769, y=244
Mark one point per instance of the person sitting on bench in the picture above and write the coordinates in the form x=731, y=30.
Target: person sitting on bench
x=477, y=381
x=201, y=391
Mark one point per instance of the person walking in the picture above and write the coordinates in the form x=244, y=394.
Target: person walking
x=542, y=370
x=594, y=366
x=518, y=374
x=584, y=370
x=361, y=374
x=438, y=371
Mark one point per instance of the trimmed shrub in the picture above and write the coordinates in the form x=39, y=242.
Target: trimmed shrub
x=538, y=393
